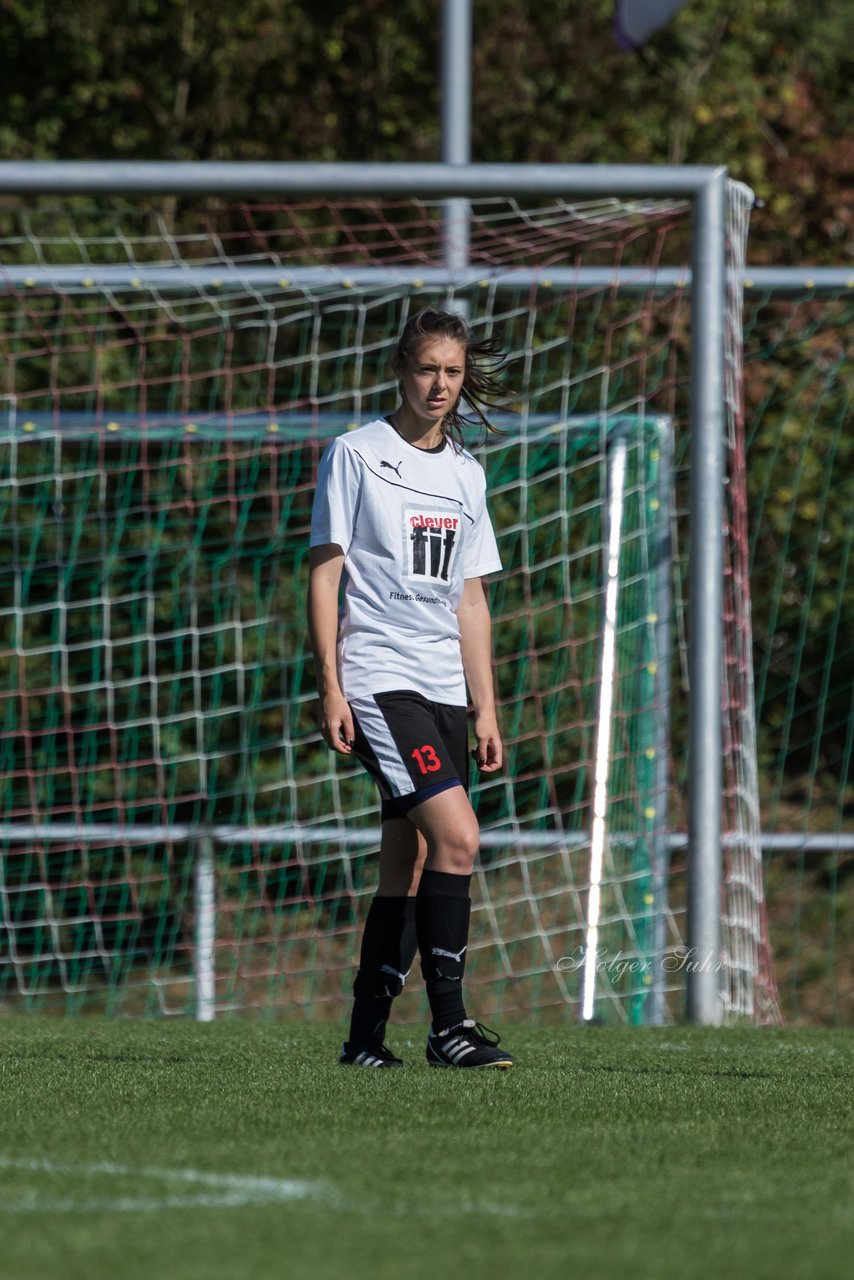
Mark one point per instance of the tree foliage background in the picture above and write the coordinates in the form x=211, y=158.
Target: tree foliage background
x=764, y=86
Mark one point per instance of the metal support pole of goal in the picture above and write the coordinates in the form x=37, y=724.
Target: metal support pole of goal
x=204, y=886
x=656, y=1010
x=703, y=996
x=456, y=129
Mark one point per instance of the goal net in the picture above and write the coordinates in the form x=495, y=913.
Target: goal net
x=176, y=835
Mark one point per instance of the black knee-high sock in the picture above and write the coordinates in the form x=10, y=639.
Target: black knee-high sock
x=442, y=911
x=388, y=950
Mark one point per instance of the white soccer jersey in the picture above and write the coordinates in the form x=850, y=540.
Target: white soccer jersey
x=413, y=526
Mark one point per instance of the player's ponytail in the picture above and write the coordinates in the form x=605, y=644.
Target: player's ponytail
x=483, y=389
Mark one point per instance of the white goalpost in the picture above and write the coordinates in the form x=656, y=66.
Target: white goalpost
x=602, y=758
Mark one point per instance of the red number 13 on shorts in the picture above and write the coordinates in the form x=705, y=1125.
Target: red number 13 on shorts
x=426, y=758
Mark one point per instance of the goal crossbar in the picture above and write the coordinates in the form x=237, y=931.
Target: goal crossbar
x=284, y=178
x=75, y=279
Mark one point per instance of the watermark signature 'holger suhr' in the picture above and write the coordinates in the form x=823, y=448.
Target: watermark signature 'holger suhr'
x=618, y=964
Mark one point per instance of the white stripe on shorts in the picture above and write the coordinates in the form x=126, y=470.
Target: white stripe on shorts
x=378, y=734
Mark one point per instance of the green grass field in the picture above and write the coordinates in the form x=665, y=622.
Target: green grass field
x=167, y=1150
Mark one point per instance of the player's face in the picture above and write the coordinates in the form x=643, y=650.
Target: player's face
x=432, y=380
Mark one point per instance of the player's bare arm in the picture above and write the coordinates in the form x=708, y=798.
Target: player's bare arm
x=336, y=721
x=476, y=649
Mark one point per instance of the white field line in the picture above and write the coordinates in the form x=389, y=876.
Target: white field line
x=211, y=1191
x=214, y=1190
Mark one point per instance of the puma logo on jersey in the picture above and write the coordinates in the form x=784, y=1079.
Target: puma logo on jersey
x=392, y=467
x=432, y=542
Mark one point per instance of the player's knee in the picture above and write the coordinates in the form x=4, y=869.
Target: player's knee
x=460, y=849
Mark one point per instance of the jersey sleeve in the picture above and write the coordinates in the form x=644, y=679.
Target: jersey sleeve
x=481, y=549
x=336, y=498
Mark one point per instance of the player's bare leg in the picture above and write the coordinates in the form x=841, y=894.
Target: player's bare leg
x=388, y=944
x=426, y=862
x=449, y=828
x=403, y=851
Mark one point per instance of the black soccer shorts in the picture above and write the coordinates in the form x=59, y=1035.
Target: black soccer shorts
x=413, y=748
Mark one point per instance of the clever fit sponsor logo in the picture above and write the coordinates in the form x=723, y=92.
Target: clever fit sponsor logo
x=432, y=539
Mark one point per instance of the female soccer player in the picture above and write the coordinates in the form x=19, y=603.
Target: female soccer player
x=400, y=518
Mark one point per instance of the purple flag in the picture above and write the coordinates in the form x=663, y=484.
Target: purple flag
x=637, y=19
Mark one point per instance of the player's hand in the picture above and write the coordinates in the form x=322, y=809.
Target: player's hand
x=336, y=723
x=489, y=752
